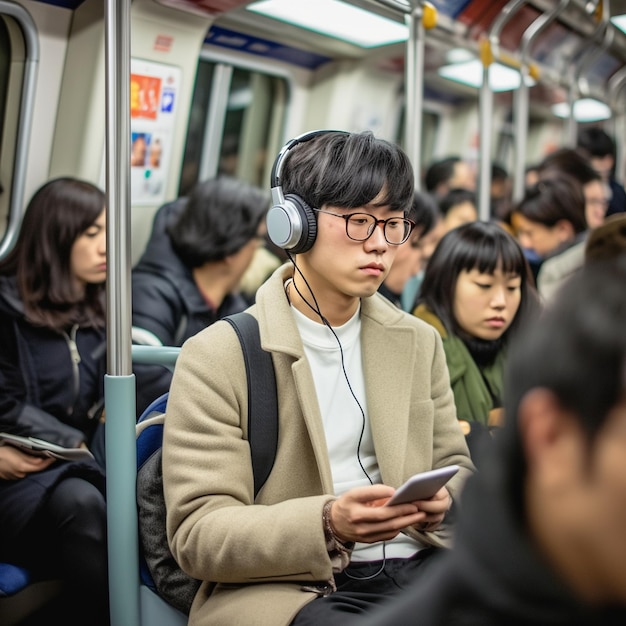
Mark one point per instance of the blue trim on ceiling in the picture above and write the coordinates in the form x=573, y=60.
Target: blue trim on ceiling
x=233, y=40
x=451, y=8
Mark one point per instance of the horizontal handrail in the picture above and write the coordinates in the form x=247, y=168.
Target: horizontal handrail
x=155, y=355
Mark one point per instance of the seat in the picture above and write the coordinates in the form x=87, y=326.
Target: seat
x=154, y=610
x=22, y=594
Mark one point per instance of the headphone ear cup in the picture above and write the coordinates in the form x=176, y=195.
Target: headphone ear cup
x=292, y=225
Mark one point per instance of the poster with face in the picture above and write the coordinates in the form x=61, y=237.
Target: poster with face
x=154, y=93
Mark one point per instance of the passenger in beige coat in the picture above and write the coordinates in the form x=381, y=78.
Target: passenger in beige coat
x=364, y=402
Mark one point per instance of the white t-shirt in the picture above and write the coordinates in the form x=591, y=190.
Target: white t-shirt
x=346, y=422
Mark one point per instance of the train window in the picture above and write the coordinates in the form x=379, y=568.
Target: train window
x=197, y=127
x=236, y=115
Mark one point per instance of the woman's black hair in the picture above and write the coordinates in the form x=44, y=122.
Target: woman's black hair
x=484, y=246
x=57, y=214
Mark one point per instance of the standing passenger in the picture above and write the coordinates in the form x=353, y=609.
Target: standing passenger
x=364, y=402
x=477, y=292
x=188, y=276
x=52, y=366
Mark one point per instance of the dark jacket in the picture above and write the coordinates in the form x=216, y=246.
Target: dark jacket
x=167, y=303
x=474, y=388
x=494, y=574
x=396, y=298
x=618, y=198
x=477, y=390
x=44, y=393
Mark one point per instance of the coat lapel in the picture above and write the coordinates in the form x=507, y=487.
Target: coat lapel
x=389, y=349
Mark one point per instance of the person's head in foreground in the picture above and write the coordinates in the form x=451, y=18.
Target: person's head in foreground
x=541, y=537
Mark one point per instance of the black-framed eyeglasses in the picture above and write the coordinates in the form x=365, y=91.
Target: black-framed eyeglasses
x=360, y=227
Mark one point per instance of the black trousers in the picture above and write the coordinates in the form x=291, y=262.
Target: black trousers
x=67, y=540
x=364, y=586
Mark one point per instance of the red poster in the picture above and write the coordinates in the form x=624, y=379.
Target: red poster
x=145, y=95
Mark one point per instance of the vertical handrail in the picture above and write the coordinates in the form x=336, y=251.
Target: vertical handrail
x=485, y=124
x=24, y=123
x=594, y=51
x=485, y=107
x=575, y=71
x=414, y=90
x=521, y=96
x=119, y=389
x=423, y=16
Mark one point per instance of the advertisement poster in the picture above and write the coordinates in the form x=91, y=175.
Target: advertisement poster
x=154, y=93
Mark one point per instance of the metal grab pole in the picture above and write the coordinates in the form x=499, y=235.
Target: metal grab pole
x=423, y=16
x=485, y=104
x=119, y=387
x=414, y=81
x=485, y=133
x=577, y=84
x=520, y=102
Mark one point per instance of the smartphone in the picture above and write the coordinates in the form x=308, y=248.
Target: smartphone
x=423, y=486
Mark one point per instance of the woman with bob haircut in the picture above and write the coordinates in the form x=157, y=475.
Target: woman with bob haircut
x=477, y=292
x=52, y=366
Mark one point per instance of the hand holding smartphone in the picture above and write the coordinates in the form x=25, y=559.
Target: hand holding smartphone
x=423, y=486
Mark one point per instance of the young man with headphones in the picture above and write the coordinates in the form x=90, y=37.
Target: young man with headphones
x=364, y=402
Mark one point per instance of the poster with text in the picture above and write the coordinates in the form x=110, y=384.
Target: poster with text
x=154, y=94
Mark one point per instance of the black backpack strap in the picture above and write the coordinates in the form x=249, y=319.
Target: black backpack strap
x=262, y=401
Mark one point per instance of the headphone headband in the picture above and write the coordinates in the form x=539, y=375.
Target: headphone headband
x=275, y=182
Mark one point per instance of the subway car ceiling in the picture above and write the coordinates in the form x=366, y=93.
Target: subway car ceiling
x=579, y=47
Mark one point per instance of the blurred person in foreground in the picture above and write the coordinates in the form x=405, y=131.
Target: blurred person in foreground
x=542, y=539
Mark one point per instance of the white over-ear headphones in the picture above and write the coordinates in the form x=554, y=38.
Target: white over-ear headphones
x=291, y=223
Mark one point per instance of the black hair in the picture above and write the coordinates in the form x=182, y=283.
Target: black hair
x=479, y=245
x=440, y=172
x=219, y=218
x=454, y=197
x=424, y=212
x=596, y=142
x=558, y=197
x=349, y=170
x=571, y=163
x=58, y=213
x=577, y=349
x=498, y=172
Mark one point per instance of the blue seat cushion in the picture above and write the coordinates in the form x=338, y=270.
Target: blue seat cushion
x=13, y=579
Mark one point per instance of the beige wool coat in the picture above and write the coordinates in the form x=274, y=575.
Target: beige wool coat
x=260, y=554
